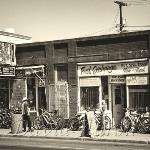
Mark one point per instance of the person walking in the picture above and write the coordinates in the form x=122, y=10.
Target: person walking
x=25, y=114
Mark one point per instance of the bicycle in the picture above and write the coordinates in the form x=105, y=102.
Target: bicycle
x=135, y=122
x=77, y=121
x=103, y=121
x=5, y=118
x=74, y=123
x=48, y=120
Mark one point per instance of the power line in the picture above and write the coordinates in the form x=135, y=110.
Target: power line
x=132, y=2
x=139, y=26
x=135, y=1
x=109, y=29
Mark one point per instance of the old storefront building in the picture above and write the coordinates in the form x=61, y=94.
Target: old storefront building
x=74, y=74
x=8, y=43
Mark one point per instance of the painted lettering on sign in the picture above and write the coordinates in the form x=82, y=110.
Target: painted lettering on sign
x=97, y=69
x=113, y=69
x=7, y=54
x=134, y=67
x=137, y=80
x=116, y=79
x=7, y=71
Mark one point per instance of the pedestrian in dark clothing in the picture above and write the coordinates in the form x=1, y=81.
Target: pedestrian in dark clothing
x=25, y=114
x=85, y=131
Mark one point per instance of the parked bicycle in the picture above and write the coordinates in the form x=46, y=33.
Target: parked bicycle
x=74, y=123
x=5, y=118
x=135, y=122
x=48, y=120
x=102, y=121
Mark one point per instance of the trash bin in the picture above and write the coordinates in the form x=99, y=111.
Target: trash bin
x=16, y=123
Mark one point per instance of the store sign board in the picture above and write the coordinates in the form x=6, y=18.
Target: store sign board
x=7, y=71
x=7, y=54
x=117, y=79
x=89, y=82
x=113, y=69
x=137, y=80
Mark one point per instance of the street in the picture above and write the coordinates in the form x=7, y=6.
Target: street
x=14, y=143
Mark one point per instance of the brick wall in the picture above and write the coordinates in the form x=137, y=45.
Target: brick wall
x=18, y=92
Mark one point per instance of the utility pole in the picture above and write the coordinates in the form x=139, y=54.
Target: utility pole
x=120, y=3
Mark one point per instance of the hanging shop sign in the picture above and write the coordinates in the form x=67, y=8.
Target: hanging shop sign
x=113, y=69
x=7, y=54
x=7, y=71
x=117, y=79
x=137, y=80
x=89, y=82
x=41, y=82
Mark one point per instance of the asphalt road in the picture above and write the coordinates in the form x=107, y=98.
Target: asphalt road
x=13, y=143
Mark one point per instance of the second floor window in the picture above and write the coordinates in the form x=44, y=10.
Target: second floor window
x=62, y=73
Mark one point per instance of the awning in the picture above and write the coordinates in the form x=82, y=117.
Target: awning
x=28, y=70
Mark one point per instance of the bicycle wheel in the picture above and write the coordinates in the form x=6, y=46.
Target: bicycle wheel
x=126, y=124
x=144, y=125
x=1, y=121
x=38, y=123
x=107, y=123
x=74, y=124
x=99, y=122
x=60, y=123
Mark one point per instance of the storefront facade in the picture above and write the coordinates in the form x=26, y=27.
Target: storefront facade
x=117, y=84
x=111, y=70
x=8, y=43
x=7, y=71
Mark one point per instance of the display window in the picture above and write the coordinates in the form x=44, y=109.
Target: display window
x=4, y=93
x=89, y=97
x=139, y=97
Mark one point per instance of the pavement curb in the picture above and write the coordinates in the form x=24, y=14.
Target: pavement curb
x=121, y=141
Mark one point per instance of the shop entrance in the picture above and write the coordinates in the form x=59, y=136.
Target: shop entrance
x=36, y=93
x=41, y=98
x=118, y=100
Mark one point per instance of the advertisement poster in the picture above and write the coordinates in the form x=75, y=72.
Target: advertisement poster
x=7, y=54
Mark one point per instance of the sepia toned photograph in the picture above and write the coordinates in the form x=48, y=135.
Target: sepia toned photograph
x=75, y=74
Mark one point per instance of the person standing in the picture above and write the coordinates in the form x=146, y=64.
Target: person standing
x=25, y=114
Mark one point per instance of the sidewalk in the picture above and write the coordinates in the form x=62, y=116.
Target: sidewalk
x=112, y=136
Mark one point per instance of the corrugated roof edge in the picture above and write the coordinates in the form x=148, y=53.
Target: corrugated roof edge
x=15, y=35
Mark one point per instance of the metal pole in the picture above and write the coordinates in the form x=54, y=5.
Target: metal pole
x=120, y=8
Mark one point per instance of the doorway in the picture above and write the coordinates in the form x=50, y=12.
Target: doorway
x=119, y=102
x=41, y=98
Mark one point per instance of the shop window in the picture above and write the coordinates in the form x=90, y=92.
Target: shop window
x=89, y=97
x=62, y=73
x=139, y=97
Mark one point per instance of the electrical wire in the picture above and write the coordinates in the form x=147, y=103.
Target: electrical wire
x=135, y=2
x=139, y=26
x=109, y=29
